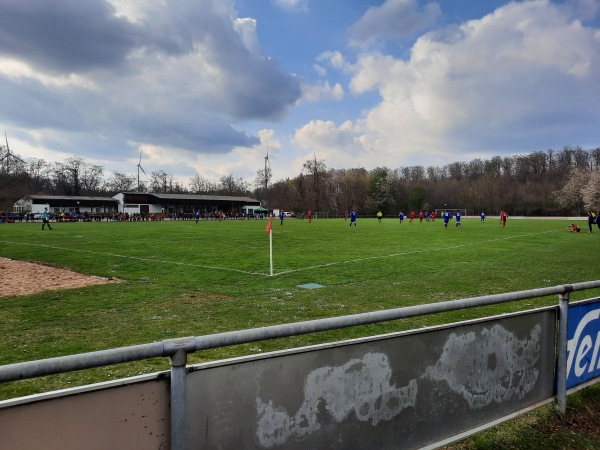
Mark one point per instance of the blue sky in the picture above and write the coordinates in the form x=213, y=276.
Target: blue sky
x=204, y=86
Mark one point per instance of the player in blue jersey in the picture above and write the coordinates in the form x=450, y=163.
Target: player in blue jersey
x=457, y=217
x=446, y=217
x=401, y=216
x=352, y=218
x=482, y=217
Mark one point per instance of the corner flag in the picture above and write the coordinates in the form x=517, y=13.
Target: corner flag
x=269, y=226
x=269, y=230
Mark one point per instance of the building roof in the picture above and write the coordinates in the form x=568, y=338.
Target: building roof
x=71, y=198
x=197, y=197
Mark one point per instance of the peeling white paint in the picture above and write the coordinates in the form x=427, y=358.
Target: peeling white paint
x=490, y=366
x=360, y=387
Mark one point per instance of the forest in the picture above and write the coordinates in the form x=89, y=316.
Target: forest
x=541, y=183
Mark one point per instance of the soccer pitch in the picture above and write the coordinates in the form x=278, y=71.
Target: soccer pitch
x=186, y=279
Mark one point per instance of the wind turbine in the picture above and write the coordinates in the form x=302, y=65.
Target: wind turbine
x=8, y=155
x=139, y=166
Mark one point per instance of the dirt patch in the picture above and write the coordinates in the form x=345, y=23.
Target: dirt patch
x=24, y=278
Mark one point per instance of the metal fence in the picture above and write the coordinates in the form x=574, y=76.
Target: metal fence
x=178, y=349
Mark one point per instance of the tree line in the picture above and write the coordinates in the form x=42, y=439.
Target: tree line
x=552, y=182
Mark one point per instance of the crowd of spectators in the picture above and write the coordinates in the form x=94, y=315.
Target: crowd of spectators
x=12, y=217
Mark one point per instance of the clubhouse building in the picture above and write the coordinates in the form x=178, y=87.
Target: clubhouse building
x=139, y=203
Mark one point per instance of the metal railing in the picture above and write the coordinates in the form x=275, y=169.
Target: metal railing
x=177, y=349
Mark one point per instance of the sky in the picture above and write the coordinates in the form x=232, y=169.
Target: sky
x=208, y=87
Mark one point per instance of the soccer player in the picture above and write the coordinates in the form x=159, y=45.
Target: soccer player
x=482, y=217
x=401, y=216
x=421, y=216
x=446, y=216
x=352, y=218
x=379, y=216
x=412, y=216
x=503, y=217
x=458, y=224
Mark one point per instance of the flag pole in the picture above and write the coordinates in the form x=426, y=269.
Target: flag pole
x=271, y=249
x=269, y=229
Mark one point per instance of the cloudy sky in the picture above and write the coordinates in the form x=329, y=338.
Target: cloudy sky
x=205, y=86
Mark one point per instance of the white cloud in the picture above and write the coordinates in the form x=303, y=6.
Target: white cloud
x=335, y=59
x=336, y=145
x=292, y=5
x=316, y=92
x=171, y=75
x=247, y=31
x=320, y=70
x=394, y=18
x=514, y=77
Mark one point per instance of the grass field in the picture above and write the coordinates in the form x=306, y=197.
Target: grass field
x=186, y=279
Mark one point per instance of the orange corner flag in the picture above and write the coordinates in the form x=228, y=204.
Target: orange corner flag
x=269, y=226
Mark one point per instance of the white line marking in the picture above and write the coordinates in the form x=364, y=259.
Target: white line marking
x=407, y=253
x=178, y=263
x=285, y=272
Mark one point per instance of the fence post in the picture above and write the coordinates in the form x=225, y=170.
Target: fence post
x=178, y=399
x=561, y=350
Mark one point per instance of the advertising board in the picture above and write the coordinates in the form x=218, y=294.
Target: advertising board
x=583, y=356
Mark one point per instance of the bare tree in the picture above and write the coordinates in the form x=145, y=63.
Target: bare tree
x=39, y=172
x=263, y=178
x=581, y=158
x=493, y=166
x=120, y=182
x=68, y=176
x=91, y=178
x=159, y=182
x=595, y=159
x=232, y=186
x=474, y=168
x=200, y=185
x=456, y=170
x=317, y=170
